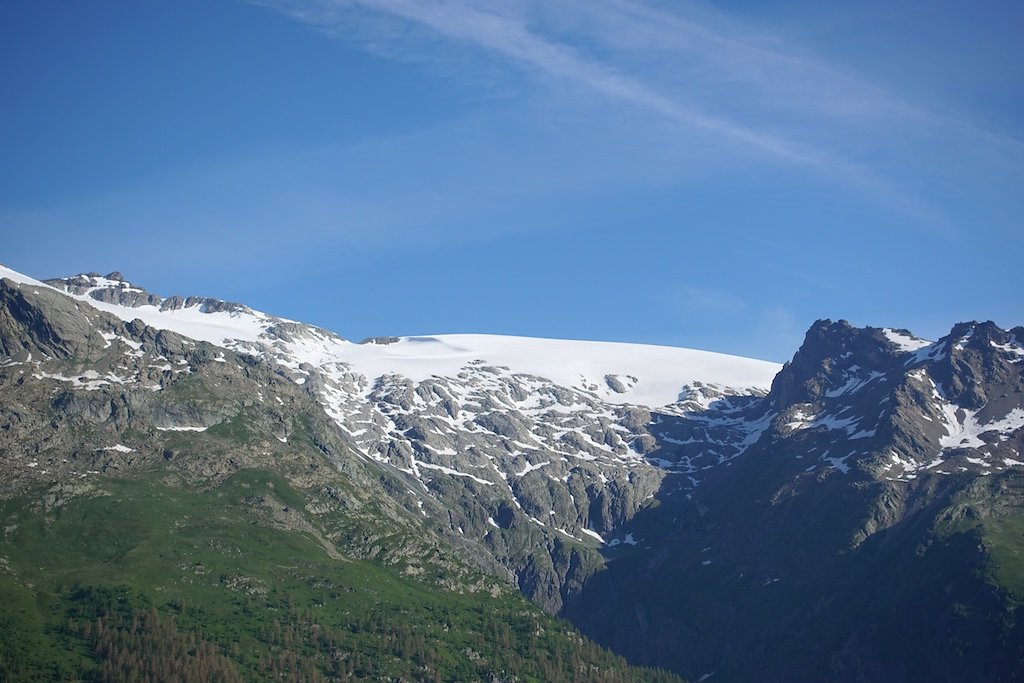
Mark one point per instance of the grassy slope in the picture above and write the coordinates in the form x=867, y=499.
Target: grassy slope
x=262, y=598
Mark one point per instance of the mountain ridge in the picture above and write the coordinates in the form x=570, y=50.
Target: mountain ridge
x=116, y=291
x=579, y=497
x=484, y=425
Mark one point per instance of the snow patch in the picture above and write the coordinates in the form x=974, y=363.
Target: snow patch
x=450, y=471
x=905, y=342
x=90, y=380
x=120, y=448
x=1010, y=349
x=529, y=468
x=966, y=433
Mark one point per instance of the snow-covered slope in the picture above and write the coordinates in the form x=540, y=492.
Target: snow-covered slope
x=554, y=440
x=195, y=322
x=616, y=372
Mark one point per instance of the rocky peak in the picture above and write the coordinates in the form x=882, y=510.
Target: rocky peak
x=85, y=282
x=111, y=289
x=831, y=354
x=114, y=289
x=978, y=365
x=892, y=405
x=204, y=304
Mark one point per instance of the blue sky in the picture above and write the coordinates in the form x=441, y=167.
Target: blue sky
x=711, y=175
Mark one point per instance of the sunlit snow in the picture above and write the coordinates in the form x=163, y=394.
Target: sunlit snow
x=661, y=372
x=905, y=342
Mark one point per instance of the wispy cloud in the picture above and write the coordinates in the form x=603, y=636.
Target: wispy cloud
x=766, y=68
x=506, y=34
x=750, y=92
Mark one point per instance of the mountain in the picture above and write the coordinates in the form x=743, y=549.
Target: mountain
x=851, y=515
x=532, y=450
x=873, y=531
x=172, y=509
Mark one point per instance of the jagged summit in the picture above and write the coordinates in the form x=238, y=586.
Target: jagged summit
x=831, y=355
x=893, y=405
x=114, y=289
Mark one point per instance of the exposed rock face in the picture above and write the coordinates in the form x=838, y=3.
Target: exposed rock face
x=660, y=529
x=44, y=323
x=891, y=405
x=822, y=366
x=853, y=532
x=531, y=473
x=84, y=395
x=113, y=289
x=566, y=468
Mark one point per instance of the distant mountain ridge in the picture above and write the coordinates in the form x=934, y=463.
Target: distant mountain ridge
x=595, y=476
x=574, y=364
